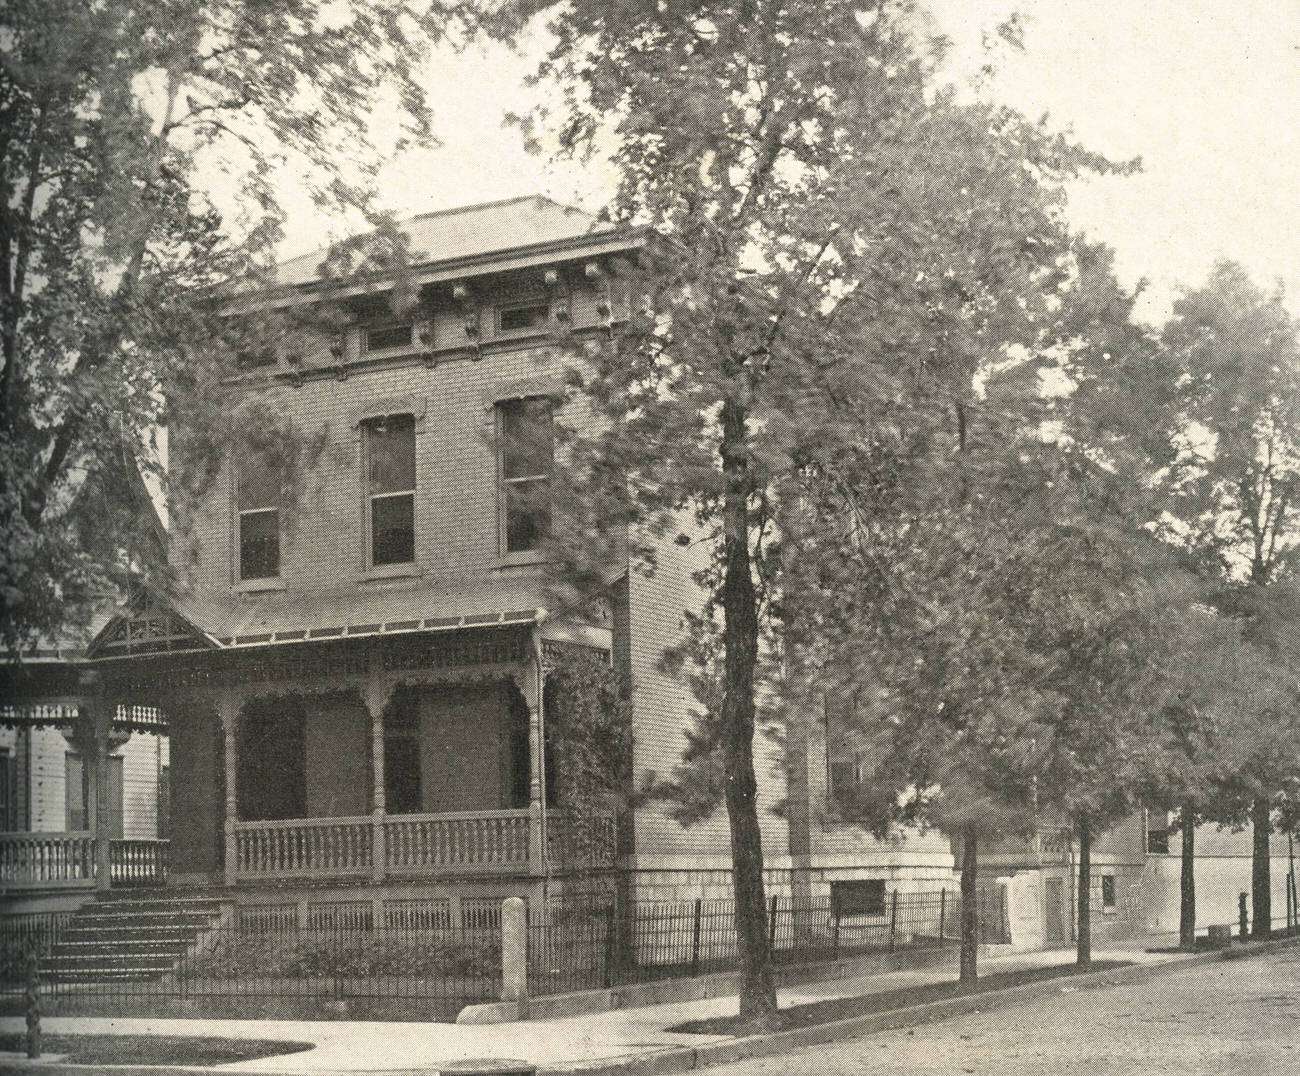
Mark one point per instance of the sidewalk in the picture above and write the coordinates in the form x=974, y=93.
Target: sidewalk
x=575, y=1041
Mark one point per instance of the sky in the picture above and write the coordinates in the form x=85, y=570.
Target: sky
x=1206, y=92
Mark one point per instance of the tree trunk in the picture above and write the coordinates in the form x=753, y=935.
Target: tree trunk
x=970, y=913
x=1084, y=934
x=740, y=635
x=1187, y=881
x=1261, y=897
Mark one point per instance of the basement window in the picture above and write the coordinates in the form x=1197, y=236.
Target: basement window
x=1108, y=892
x=861, y=896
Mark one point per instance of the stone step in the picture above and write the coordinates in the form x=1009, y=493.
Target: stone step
x=169, y=949
x=173, y=920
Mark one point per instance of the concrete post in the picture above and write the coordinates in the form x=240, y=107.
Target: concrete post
x=514, y=950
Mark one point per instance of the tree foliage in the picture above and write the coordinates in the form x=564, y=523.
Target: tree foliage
x=832, y=228
x=145, y=154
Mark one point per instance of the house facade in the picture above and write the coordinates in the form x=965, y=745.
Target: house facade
x=352, y=673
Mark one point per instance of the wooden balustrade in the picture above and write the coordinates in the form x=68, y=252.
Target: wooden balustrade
x=46, y=860
x=303, y=847
x=137, y=862
x=472, y=840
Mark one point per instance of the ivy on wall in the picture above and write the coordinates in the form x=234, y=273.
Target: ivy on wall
x=588, y=750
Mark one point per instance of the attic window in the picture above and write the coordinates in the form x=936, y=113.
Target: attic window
x=388, y=337
x=513, y=319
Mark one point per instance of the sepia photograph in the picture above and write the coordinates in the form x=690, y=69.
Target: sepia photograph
x=619, y=537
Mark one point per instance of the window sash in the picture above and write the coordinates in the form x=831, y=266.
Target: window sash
x=259, y=544
x=392, y=528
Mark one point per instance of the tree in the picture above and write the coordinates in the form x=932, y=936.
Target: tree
x=115, y=247
x=805, y=181
x=1239, y=489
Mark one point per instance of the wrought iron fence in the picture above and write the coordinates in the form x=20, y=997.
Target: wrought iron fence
x=585, y=945
x=346, y=959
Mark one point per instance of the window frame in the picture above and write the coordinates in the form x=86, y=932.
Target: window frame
x=500, y=408
x=239, y=514
x=501, y=309
x=368, y=497
x=1113, y=903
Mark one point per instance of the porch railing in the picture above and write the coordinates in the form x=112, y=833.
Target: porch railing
x=67, y=860
x=46, y=860
x=471, y=840
x=303, y=847
x=133, y=862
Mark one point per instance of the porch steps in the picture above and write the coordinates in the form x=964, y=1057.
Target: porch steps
x=131, y=937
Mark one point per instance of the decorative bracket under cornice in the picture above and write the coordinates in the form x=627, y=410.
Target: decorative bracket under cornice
x=464, y=295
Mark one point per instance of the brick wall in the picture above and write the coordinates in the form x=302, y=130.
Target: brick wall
x=322, y=544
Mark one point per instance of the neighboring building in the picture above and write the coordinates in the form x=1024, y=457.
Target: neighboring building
x=1135, y=879
x=1223, y=865
x=50, y=766
x=354, y=682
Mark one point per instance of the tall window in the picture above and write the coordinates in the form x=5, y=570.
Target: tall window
x=77, y=791
x=526, y=439
x=390, y=489
x=259, y=519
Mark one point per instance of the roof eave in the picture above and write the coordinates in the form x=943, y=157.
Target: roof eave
x=524, y=256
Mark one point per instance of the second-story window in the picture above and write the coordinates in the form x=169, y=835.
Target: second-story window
x=526, y=440
x=390, y=489
x=259, y=519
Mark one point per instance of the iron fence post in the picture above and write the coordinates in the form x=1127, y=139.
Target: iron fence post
x=893, y=918
x=943, y=908
x=771, y=923
x=611, y=946
x=695, y=940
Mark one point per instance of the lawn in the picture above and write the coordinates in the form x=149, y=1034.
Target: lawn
x=824, y=1012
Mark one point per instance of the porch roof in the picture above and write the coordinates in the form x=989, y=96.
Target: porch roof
x=274, y=617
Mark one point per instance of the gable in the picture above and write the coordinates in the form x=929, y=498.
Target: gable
x=148, y=626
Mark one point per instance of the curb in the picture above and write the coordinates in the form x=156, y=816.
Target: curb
x=686, y=1058
x=710, y=985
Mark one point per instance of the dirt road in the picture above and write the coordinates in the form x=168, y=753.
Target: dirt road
x=1237, y=1016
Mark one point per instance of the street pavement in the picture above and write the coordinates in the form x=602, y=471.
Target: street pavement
x=358, y=1046
x=1232, y=1016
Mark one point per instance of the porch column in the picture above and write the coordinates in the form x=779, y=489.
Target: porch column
x=228, y=706
x=96, y=723
x=376, y=696
x=530, y=685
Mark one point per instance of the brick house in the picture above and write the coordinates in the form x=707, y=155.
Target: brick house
x=354, y=683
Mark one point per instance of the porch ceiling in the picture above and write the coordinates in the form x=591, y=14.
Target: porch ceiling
x=273, y=617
